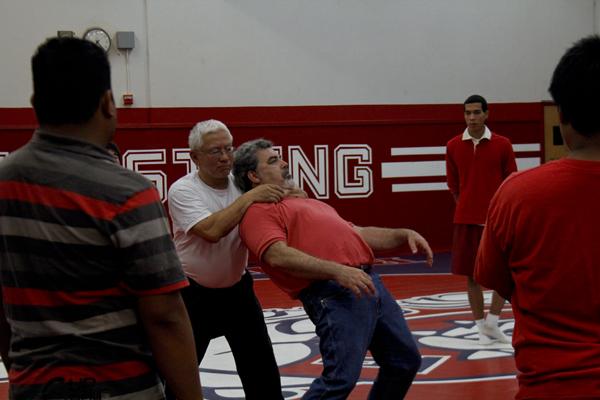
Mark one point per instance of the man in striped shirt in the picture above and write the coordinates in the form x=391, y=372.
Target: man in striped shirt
x=89, y=275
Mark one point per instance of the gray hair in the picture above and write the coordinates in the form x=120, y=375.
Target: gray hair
x=201, y=129
x=245, y=160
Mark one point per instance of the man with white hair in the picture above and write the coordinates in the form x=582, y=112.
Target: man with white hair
x=206, y=208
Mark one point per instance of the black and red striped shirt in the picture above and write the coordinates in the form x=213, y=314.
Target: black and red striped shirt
x=80, y=239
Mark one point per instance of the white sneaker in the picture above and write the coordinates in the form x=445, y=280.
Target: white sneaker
x=494, y=332
x=484, y=340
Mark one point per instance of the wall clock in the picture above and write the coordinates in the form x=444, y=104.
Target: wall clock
x=98, y=36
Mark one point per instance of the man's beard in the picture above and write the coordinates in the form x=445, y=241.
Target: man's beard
x=289, y=181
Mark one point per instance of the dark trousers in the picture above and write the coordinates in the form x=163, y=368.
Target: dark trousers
x=235, y=313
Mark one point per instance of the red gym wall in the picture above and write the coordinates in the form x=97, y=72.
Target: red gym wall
x=351, y=145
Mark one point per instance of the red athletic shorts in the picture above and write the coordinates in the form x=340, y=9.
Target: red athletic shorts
x=464, y=248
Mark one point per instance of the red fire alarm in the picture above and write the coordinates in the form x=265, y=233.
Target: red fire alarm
x=127, y=99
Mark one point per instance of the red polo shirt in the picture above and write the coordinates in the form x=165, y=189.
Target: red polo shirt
x=475, y=172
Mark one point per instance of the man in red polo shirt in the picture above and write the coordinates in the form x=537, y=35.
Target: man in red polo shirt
x=316, y=256
x=477, y=161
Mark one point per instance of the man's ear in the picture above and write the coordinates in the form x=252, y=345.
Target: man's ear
x=561, y=117
x=566, y=131
x=253, y=177
x=193, y=157
x=107, y=105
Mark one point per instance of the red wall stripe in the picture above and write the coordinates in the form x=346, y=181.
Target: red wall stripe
x=313, y=115
x=381, y=127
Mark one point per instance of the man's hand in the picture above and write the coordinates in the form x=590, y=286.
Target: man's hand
x=417, y=242
x=5, y=335
x=267, y=193
x=356, y=280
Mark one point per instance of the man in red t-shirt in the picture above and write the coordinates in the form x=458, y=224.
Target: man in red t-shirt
x=313, y=254
x=477, y=161
x=539, y=248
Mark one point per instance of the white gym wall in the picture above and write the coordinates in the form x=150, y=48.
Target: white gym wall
x=204, y=53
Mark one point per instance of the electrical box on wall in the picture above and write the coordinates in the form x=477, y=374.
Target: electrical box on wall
x=62, y=34
x=125, y=40
x=128, y=99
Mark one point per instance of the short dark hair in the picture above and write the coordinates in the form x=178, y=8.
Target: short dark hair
x=575, y=86
x=70, y=75
x=475, y=98
x=245, y=160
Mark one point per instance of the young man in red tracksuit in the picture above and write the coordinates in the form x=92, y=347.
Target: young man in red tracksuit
x=477, y=161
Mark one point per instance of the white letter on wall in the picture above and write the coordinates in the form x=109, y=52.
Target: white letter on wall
x=182, y=156
x=359, y=183
x=133, y=159
x=303, y=171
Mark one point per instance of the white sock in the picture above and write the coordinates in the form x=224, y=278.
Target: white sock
x=479, y=323
x=492, y=319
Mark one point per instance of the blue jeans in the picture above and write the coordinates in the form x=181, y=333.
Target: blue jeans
x=347, y=327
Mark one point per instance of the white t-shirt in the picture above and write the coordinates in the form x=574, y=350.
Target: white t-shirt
x=213, y=265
